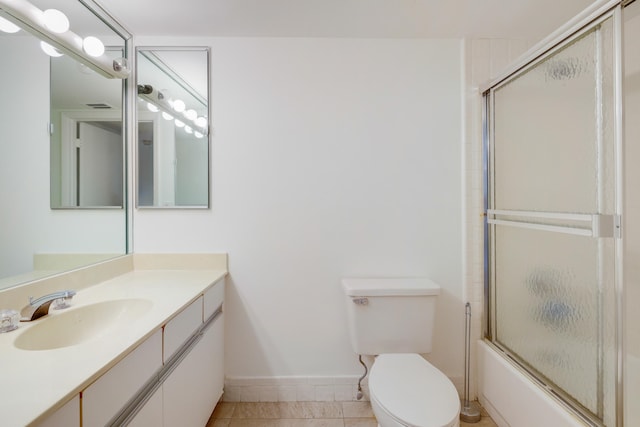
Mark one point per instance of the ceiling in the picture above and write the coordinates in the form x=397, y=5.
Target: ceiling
x=522, y=19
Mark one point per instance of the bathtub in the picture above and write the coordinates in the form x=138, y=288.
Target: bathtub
x=512, y=399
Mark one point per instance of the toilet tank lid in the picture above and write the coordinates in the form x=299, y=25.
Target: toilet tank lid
x=389, y=286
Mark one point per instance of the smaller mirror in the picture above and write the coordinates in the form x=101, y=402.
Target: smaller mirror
x=173, y=127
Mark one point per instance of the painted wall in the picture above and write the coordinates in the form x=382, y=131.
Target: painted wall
x=331, y=158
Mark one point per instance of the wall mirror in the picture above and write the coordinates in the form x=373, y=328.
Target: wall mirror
x=172, y=127
x=37, y=238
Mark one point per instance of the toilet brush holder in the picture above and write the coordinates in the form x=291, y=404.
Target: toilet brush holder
x=469, y=411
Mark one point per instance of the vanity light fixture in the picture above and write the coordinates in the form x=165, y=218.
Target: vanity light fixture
x=157, y=101
x=55, y=21
x=179, y=105
x=46, y=25
x=8, y=26
x=93, y=46
x=50, y=50
x=201, y=122
x=191, y=114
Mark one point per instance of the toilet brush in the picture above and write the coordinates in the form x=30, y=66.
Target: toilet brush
x=469, y=413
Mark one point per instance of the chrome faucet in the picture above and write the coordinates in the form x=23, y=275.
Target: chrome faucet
x=40, y=307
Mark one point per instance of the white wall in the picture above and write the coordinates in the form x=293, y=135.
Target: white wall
x=331, y=158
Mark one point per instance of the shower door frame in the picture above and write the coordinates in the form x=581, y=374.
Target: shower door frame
x=598, y=12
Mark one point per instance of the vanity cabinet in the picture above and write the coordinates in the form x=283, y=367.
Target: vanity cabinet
x=67, y=416
x=151, y=412
x=195, y=386
x=109, y=393
x=178, y=330
x=174, y=378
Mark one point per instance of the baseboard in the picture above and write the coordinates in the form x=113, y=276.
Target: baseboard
x=293, y=389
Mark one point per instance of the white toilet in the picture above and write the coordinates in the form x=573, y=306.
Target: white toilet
x=393, y=318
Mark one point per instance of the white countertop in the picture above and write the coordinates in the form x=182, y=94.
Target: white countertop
x=36, y=383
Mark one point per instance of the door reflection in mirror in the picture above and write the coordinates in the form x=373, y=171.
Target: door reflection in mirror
x=173, y=127
x=87, y=141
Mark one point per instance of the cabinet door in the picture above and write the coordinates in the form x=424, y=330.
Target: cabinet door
x=67, y=416
x=194, y=387
x=102, y=400
x=151, y=412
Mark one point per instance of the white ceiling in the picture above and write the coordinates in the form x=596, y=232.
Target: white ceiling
x=524, y=19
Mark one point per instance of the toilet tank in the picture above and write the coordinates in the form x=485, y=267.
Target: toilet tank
x=390, y=315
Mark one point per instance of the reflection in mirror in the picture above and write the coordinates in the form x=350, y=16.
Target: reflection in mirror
x=87, y=141
x=173, y=127
x=36, y=241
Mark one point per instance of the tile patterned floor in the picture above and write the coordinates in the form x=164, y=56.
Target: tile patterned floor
x=303, y=414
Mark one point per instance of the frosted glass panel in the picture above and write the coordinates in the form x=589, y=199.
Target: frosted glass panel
x=547, y=306
x=549, y=136
x=552, y=153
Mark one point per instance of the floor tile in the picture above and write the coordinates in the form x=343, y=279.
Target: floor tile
x=357, y=410
x=360, y=422
x=310, y=410
x=304, y=414
x=255, y=410
x=485, y=421
x=223, y=410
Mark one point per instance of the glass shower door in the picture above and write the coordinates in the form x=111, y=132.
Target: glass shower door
x=552, y=220
x=631, y=55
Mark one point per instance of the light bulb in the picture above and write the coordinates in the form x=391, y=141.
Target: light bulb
x=56, y=21
x=152, y=107
x=188, y=129
x=178, y=105
x=8, y=26
x=93, y=46
x=179, y=123
x=201, y=121
x=198, y=134
x=167, y=116
x=191, y=114
x=50, y=50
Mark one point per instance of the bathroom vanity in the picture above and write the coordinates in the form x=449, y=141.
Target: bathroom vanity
x=141, y=346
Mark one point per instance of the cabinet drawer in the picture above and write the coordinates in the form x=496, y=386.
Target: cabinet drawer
x=181, y=327
x=213, y=297
x=105, y=397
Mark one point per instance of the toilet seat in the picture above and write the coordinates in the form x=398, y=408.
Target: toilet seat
x=412, y=392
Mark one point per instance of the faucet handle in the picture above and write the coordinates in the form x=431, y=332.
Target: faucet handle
x=60, y=303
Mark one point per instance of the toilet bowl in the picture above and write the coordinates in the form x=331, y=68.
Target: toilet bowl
x=407, y=391
x=394, y=319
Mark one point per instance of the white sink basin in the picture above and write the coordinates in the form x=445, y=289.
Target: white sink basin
x=77, y=325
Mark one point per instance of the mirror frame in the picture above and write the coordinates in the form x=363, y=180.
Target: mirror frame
x=207, y=51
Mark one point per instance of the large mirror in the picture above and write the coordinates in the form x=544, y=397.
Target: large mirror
x=36, y=238
x=173, y=127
